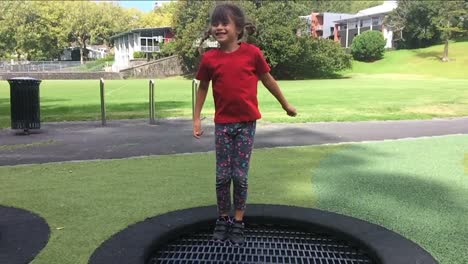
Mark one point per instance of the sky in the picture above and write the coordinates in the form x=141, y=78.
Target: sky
x=145, y=6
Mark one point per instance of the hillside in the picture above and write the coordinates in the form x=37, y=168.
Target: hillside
x=422, y=62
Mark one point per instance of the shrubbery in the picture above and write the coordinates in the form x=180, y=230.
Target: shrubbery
x=319, y=58
x=369, y=46
x=139, y=55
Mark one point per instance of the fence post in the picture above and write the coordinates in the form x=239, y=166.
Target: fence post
x=103, y=106
x=194, y=96
x=151, y=102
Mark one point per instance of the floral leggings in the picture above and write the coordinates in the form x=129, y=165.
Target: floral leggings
x=234, y=143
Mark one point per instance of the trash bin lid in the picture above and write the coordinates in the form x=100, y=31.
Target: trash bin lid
x=23, y=79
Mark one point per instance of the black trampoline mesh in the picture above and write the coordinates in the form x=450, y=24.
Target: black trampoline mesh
x=264, y=244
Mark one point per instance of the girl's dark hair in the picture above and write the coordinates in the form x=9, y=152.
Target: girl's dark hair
x=222, y=13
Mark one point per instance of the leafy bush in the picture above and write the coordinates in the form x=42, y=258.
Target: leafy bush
x=139, y=55
x=168, y=49
x=369, y=46
x=320, y=58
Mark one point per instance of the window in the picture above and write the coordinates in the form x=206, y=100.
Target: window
x=143, y=42
x=375, y=21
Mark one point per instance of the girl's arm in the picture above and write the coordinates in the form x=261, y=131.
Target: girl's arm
x=270, y=83
x=201, y=96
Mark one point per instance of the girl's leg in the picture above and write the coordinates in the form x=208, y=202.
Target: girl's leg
x=243, y=145
x=224, y=146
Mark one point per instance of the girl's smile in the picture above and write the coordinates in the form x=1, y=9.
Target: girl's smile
x=225, y=33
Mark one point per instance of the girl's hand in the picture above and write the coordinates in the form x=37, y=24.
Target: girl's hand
x=290, y=110
x=197, y=130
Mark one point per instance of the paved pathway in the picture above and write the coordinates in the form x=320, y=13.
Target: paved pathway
x=126, y=138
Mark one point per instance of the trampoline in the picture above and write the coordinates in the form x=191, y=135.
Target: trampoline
x=264, y=244
x=274, y=234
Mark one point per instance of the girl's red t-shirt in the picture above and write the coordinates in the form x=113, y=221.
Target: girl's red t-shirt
x=234, y=79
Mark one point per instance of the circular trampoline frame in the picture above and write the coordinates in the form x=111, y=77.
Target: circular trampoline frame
x=23, y=234
x=137, y=243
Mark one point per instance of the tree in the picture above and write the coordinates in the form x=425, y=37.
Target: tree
x=32, y=29
x=412, y=25
x=277, y=34
x=369, y=46
x=276, y=23
x=449, y=20
x=351, y=7
x=190, y=22
x=7, y=40
x=89, y=22
x=423, y=23
x=42, y=29
x=161, y=16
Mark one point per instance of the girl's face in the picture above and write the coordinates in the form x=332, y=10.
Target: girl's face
x=225, y=33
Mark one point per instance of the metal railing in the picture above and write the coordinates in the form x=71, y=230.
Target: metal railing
x=150, y=48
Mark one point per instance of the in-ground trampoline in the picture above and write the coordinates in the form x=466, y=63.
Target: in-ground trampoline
x=23, y=234
x=274, y=234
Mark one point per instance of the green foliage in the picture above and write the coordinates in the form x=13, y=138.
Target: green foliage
x=32, y=29
x=139, y=54
x=97, y=65
x=40, y=30
x=277, y=24
x=423, y=23
x=322, y=58
x=450, y=18
x=190, y=21
x=290, y=56
x=168, y=49
x=369, y=46
x=341, y=6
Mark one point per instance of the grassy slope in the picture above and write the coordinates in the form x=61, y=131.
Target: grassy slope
x=416, y=187
x=424, y=62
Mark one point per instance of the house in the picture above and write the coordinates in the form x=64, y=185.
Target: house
x=322, y=25
x=368, y=19
x=97, y=51
x=146, y=40
x=93, y=52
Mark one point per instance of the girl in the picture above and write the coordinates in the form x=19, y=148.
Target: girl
x=234, y=69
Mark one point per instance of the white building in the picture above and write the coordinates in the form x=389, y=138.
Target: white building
x=146, y=40
x=322, y=25
x=367, y=19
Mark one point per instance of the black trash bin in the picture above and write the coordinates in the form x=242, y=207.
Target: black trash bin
x=24, y=103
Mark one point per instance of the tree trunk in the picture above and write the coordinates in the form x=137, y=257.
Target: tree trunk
x=447, y=37
x=82, y=43
x=81, y=54
x=446, y=58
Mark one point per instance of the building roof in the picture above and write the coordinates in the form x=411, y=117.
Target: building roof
x=153, y=31
x=386, y=7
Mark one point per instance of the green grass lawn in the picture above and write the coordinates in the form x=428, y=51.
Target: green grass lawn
x=360, y=98
x=419, y=62
x=415, y=187
x=406, y=84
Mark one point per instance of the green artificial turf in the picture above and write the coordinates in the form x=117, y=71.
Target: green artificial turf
x=417, y=188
